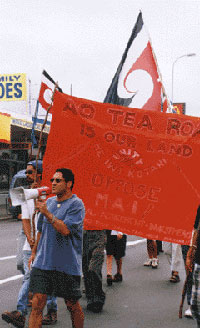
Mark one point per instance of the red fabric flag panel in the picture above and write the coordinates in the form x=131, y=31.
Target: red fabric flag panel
x=136, y=170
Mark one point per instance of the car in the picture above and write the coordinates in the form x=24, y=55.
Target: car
x=18, y=180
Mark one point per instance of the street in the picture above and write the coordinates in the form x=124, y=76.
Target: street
x=144, y=299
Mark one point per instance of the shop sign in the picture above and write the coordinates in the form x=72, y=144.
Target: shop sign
x=28, y=125
x=16, y=146
x=13, y=87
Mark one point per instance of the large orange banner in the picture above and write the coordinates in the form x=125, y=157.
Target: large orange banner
x=137, y=171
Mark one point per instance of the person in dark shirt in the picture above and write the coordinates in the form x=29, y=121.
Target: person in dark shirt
x=193, y=263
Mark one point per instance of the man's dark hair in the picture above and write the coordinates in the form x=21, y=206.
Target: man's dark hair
x=67, y=174
x=39, y=165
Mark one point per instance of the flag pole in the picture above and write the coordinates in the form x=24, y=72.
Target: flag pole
x=158, y=70
x=29, y=98
x=37, y=157
x=33, y=126
x=43, y=126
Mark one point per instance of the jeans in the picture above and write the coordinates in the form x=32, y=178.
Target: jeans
x=23, y=293
x=20, y=244
x=22, y=301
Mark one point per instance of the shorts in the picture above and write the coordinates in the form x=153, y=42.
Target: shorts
x=114, y=246
x=55, y=283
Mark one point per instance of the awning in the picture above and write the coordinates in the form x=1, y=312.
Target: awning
x=28, y=124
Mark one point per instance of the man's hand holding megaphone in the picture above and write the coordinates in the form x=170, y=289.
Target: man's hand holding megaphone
x=41, y=206
x=35, y=185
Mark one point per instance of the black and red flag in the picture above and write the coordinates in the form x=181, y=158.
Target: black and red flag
x=46, y=90
x=137, y=83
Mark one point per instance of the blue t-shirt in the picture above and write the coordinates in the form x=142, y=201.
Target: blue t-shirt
x=58, y=252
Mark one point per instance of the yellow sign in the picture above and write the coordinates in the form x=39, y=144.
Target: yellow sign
x=13, y=87
x=5, y=124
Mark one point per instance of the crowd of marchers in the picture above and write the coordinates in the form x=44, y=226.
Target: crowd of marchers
x=55, y=253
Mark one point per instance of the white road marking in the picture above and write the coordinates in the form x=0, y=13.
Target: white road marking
x=135, y=242
x=11, y=279
x=4, y=281
x=7, y=257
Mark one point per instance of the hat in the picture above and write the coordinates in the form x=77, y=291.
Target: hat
x=39, y=165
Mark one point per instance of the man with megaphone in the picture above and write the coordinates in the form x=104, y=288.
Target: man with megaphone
x=57, y=253
x=26, y=198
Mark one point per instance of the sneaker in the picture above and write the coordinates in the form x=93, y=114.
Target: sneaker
x=154, y=263
x=148, y=262
x=14, y=317
x=188, y=313
x=50, y=318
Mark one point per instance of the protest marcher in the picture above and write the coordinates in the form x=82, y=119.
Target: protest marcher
x=152, y=253
x=188, y=312
x=18, y=317
x=115, y=246
x=57, y=254
x=193, y=264
x=174, y=255
x=159, y=246
x=94, y=242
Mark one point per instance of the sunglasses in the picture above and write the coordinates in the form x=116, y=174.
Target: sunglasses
x=29, y=172
x=57, y=180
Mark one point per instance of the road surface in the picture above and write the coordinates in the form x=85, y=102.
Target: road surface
x=145, y=298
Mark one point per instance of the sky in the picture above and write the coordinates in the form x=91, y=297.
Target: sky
x=80, y=43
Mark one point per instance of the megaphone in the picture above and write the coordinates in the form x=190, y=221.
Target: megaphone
x=20, y=195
